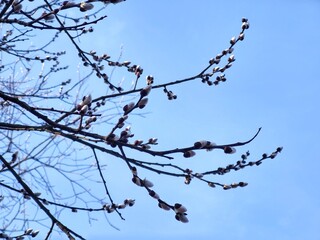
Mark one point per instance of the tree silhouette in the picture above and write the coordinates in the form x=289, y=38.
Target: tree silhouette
x=52, y=129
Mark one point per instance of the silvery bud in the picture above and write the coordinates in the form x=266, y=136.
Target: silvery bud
x=182, y=217
x=84, y=109
x=14, y=156
x=142, y=103
x=189, y=154
x=202, y=144
x=233, y=40
x=28, y=231
x=164, y=206
x=129, y=202
x=179, y=208
x=147, y=183
x=154, y=194
x=229, y=150
x=136, y=180
x=145, y=91
x=34, y=233
x=128, y=107
x=85, y=6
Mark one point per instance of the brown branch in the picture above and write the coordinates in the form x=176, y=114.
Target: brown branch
x=54, y=220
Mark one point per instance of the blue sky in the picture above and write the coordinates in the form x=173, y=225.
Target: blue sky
x=273, y=84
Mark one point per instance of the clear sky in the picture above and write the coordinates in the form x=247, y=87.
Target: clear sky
x=273, y=84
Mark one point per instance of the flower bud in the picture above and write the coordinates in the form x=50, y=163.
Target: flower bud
x=199, y=175
x=85, y=101
x=189, y=154
x=84, y=109
x=229, y=150
x=121, y=206
x=242, y=184
x=145, y=91
x=142, y=103
x=179, y=208
x=16, y=6
x=234, y=185
x=28, y=231
x=136, y=180
x=164, y=206
x=241, y=36
x=273, y=155
x=138, y=142
x=128, y=107
x=108, y=208
x=49, y=17
x=129, y=202
x=215, y=69
x=146, y=146
x=244, y=19
x=85, y=6
x=126, y=63
x=68, y=4
x=153, y=140
x=233, y=40
x=134, y=171
x=91, y=119
x=122, y=119
x=201, y=144
x=181, y=217
x=245, y=25
x=14, y=156
x=147, y=183
x=34, y=233
x=231, y=58
x=154, y=194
